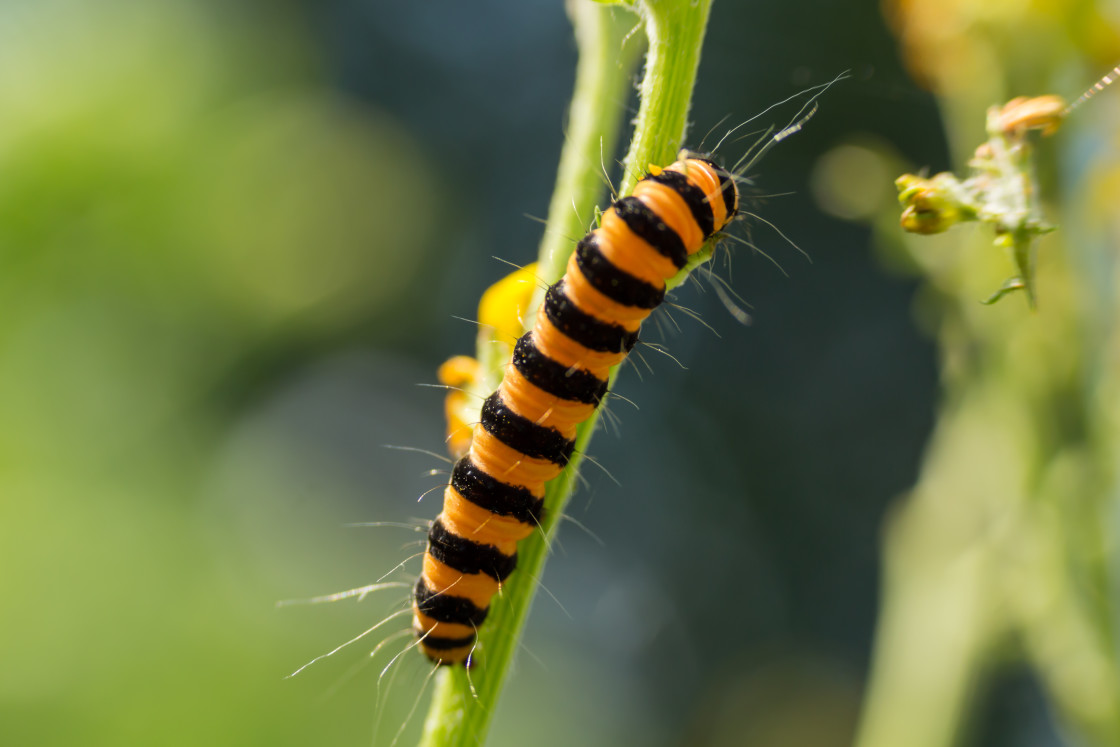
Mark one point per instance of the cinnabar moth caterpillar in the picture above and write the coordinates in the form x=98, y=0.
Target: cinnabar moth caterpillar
x=587, y=324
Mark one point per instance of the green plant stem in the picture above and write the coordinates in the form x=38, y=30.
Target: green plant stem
x=676, y=34
x=608, y=53
x=464, y=701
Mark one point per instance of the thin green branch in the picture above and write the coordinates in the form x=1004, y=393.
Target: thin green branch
x=464, y=701
x=676, y=35
x=608, y=53
x=463, y=704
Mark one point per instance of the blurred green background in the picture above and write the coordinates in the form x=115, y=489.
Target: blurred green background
x=234, y=238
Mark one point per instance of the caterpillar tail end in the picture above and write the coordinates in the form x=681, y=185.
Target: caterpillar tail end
x=444, y=651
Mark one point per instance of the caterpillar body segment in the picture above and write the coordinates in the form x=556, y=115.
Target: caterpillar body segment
x=557, y=376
